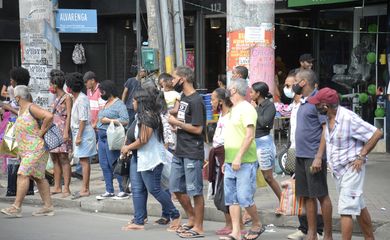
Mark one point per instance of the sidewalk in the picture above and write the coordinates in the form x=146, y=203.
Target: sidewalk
x=377, y=189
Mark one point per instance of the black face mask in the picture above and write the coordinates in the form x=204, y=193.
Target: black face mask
x=297, y=89
x=178, y=87
x=322, y=111
x=105, y=97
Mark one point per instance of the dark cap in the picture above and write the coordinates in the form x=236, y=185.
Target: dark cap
x=306, y=57
x=325, y=95
x=89, y=75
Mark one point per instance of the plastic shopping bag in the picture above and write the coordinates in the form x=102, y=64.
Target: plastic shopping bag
x=115, y=136
x=9, y=136
x=290, y=204
x=166, y=172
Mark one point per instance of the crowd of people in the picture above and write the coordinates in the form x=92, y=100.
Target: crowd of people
x=165, y=124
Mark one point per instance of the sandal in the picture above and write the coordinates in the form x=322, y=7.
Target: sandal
x=162, y=221
x=12, y=211
x=132, y=221
x=254, y=233
x=224, y=231
x=190, y=234
x=133, y=226
x=228, y=237
x=183, y=228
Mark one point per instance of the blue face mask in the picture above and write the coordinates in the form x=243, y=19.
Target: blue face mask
x=288, y=92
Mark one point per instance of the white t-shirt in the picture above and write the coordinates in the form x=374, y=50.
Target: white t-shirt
x=218, y=139
x=81, y=111
x=293, y=122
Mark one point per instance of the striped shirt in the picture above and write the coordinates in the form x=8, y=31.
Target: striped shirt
x=345, y=141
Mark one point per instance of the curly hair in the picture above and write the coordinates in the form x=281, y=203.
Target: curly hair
x=20, y=75
x=109, y=87
x=75, y=81
x=57, y=77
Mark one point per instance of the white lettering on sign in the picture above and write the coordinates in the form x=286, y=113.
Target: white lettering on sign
x=216, y=7
x=74, y=17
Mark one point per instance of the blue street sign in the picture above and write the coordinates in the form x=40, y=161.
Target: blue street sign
x=52, y=36
x=76, y=21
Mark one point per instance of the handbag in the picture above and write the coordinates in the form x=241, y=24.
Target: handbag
x=53, y=137
x=121, y=166
x=290, y=162
x=12, y=176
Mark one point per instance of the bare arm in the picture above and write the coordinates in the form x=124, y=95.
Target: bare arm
x=175, y=108
x=68, y=104
x=124, y=94
x=4, y=92
x=317, y=163
x=371, y=143
x=9, y=108
x=185, y=126
x=107, y=120
x=144, y=136
x=45, y=116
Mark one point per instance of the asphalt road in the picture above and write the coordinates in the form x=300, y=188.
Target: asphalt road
x=72, y=224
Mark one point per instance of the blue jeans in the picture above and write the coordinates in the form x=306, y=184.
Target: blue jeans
x=106, y=159
x=149, y=181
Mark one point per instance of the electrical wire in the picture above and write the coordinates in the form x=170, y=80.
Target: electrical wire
x=288, y=25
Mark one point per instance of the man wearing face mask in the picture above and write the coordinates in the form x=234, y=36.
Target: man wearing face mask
x=310, y=169
x=186, y=172
x=348, y=141
x=288, y=91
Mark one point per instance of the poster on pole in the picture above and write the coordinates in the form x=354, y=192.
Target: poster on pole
x=262, y=65
x=237, y=49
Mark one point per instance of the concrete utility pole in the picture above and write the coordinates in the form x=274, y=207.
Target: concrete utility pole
x=167, y=36
x=250, y=39
x=155, y=32
x=37, y=52
x=138, y=23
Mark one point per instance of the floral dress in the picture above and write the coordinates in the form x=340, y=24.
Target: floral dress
x=31, y=147
x=59, y=120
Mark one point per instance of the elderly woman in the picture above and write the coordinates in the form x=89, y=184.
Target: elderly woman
x=32, y=152
x=113, y=111
x=84, y=139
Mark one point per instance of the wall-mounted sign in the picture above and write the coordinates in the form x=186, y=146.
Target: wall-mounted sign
x=300, y=3
x=76, y=21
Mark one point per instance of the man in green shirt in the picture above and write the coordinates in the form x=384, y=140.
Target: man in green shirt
x=241, y=160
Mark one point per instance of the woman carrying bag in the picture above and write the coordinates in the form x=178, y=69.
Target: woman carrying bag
x=32, y=152
x=114, y=111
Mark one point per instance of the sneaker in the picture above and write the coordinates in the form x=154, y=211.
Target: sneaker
x=12, y=211
x=298, y=235
x=105, y=196
x=319, y=237
x=44, y=212
x=121, y=195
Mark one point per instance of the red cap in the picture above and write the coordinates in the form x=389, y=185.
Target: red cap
x=325, y=95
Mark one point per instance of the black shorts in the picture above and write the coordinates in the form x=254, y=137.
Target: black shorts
x=308, y=184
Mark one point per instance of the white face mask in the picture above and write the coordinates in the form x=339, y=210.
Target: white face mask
x=288, y=92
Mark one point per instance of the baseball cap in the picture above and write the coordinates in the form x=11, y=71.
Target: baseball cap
x=325, y=95
x=89, y=75
x=306, y=57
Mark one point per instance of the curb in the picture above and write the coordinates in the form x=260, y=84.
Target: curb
x=210, y=214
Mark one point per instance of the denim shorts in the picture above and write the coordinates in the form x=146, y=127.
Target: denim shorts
x=266, y=152
x=186, y=176
x=350, y=189
x=240, y=186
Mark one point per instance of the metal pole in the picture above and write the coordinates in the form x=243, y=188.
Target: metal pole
x=179, y=32
x=138, y=23
x=160, y=38
x=167, y=35
x=183, y=42
x=53, y=25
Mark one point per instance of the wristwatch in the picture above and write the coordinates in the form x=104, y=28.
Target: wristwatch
x=361, y=157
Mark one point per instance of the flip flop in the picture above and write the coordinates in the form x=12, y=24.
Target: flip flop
x=190, y=234
x=228, y=237
x=54, y=193
x=255, y=233
x=184, y=228
x=224, y=231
